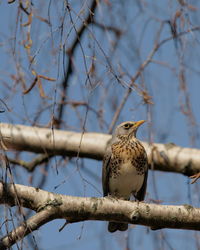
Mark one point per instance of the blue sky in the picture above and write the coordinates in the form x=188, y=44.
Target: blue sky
x=139, y=22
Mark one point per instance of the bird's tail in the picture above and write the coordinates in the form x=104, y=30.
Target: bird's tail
x=113, y=226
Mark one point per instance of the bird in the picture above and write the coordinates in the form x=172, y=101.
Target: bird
x=125, y=167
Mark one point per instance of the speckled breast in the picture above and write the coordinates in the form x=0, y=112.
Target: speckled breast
x=128, y=152
x=127, y=169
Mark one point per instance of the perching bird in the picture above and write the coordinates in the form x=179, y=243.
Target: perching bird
x=125, y=167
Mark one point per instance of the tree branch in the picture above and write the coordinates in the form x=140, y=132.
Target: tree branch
x=50, y=206
x=164, y=157
x=141, y=69
x=70, y=51
x=32, y=224
x=30, y=166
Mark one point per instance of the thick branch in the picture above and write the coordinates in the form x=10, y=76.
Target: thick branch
x=164, y=157
x=50, y=206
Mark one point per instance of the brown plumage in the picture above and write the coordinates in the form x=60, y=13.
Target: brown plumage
x=125, y=167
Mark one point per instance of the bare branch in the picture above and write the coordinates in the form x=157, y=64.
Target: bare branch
x=30, y=166
x=141, y=69
x=164, y=157
x=70, y=51
x=32, y=224
x=50, y=206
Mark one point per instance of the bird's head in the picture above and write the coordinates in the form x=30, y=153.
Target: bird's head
x=128, y=128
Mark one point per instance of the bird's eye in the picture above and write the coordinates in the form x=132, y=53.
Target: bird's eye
x=127, y=126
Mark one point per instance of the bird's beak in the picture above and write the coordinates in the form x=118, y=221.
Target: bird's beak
x=137, y=124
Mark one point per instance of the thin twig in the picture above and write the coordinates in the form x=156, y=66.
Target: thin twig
x=139, y=71
x=70, y=52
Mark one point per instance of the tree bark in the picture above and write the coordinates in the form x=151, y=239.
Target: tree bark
x=49, y=206
x=164, y=157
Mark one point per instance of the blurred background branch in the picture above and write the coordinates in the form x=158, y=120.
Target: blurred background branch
x=164, y=157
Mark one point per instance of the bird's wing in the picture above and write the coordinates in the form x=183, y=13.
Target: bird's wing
x=141, y=193
x=106, y=171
